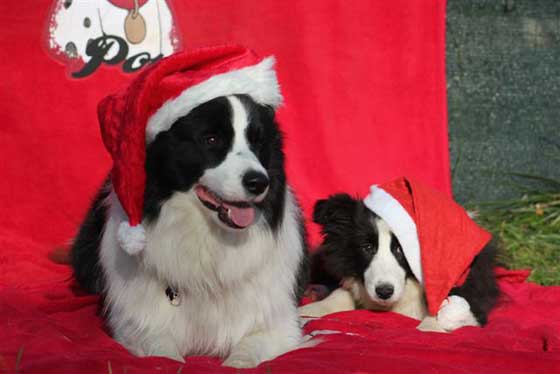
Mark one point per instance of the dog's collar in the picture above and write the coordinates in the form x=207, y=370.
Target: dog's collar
x=173, y=296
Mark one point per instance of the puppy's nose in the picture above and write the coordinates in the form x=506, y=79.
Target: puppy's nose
x=255, y=182
x=384, y=291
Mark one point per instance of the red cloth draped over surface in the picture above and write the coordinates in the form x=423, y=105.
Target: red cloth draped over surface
x=364, y=87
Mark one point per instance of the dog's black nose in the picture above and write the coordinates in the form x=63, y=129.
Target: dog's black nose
x=255, y=182
x=384, y=291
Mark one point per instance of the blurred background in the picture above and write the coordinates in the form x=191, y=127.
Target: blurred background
x=503, y=87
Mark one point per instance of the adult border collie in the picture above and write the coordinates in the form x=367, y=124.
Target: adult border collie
x=361, y=253
x=224, y=264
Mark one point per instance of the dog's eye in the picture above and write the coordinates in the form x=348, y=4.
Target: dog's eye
x=211, y=140
x=368, y=248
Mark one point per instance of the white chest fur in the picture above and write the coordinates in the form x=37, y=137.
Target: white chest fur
x=232, y=284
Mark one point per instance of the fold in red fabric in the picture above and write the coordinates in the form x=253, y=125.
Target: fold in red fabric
x=56, y=329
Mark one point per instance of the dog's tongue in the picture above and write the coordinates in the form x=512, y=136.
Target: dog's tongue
x=242, y=217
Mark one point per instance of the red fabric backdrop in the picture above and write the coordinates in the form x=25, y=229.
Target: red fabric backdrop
x=364, y=87
x=364, y=90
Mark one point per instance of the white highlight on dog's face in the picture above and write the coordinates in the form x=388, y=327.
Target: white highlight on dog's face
x=384, y=270
x=226, y=179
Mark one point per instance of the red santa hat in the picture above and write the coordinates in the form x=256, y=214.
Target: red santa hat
x=438, y=238
x=155, y=99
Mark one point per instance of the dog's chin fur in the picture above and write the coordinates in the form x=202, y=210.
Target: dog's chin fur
x=237, y=289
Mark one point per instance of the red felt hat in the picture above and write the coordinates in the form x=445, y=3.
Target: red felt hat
x=155, y=99
x=438, y=238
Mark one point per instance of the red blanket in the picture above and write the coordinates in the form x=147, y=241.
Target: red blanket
x=364, y=90
x=57, y=330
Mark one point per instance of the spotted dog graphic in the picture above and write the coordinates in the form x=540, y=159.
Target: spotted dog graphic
x=85, y=34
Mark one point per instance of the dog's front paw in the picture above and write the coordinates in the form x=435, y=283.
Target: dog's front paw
x=154, y=347
x=241, y=361
x=455, y=312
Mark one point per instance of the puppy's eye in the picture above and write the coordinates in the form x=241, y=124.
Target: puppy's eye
x=397, y=250
x=368, y=248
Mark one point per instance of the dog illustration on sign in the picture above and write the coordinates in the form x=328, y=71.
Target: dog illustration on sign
x=85, y=34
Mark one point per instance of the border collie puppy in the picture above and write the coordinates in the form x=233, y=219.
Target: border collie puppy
x=224, y=263
x=362, y=254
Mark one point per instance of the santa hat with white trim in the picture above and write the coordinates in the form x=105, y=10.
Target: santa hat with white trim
x=438, y=238
x=156, y=98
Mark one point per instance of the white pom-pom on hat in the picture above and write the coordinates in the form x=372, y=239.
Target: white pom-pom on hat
x=132, y=239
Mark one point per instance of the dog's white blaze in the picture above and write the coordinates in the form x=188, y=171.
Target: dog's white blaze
x=239, y=120
x=236, y=289
x=226, y=178
x=384, y=267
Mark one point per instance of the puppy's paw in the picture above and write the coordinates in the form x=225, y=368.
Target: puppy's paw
x=316, y=309
x=241, y=361
x=455, y=312
x=430, y=324
x=338, y=301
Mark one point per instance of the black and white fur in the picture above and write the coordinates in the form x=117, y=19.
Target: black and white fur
x=360, y=252
x=237, y=289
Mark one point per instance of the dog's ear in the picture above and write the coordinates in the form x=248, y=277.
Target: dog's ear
x=320, y=211
x=337, y=209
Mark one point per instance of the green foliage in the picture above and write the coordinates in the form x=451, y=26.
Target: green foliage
x=528, y=232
